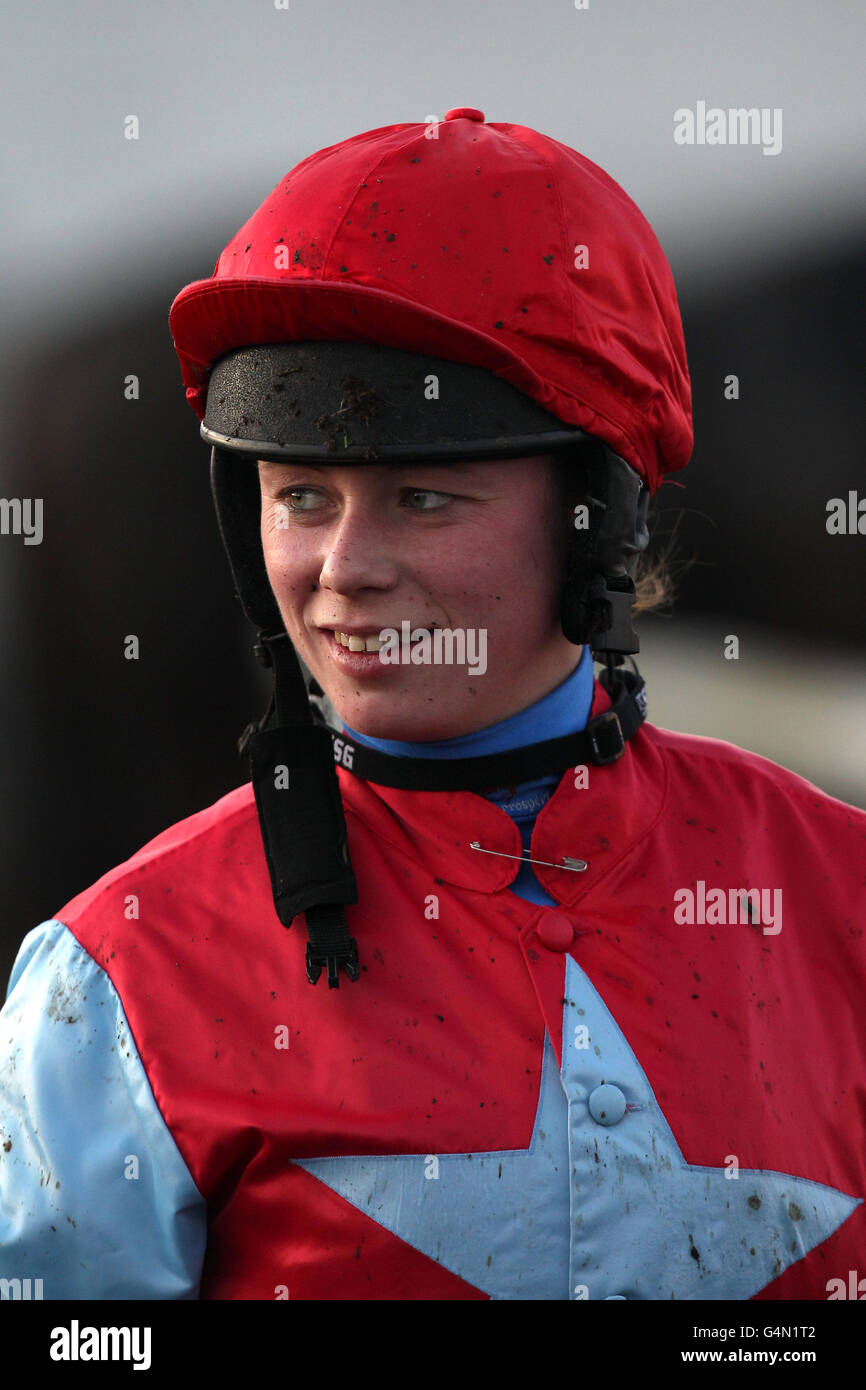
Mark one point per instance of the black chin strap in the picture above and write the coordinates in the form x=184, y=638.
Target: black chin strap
x=601, y=742
x=301, y=817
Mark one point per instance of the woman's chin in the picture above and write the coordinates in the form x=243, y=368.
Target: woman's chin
x=379, y=719
x=400, y=731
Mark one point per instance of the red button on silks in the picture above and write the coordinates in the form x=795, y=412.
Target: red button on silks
x=555, y=931
x=466, y=113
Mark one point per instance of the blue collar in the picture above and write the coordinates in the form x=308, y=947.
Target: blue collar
x=564, y=710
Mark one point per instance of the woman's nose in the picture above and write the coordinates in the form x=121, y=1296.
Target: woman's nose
x=359, y=553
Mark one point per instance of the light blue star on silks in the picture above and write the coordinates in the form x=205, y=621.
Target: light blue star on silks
x=590, y=1210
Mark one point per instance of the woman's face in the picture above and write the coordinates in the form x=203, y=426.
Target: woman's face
x=473, y=548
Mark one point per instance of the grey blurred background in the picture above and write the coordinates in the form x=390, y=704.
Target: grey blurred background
x=98, y=233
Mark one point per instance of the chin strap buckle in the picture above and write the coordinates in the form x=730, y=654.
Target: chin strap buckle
x=606, y=738
x=331, y=959
x=330, y=945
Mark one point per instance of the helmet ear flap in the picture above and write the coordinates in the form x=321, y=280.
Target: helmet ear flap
x=608, y=533
x=237, y=499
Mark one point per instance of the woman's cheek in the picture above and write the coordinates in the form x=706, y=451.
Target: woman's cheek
x=283, y=557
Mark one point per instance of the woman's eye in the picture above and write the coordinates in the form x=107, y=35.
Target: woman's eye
x=440, y=498
x=294, y=498
x=307, y=499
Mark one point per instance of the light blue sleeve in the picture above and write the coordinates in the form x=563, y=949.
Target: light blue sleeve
x=95, y=1198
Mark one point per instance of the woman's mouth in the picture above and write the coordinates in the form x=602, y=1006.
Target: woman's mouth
x=356, y=653
x=357, y=642
x=359, y=653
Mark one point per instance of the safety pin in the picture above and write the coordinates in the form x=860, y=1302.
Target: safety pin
x=575, y=866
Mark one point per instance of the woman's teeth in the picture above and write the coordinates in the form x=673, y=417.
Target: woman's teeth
x=359, y=644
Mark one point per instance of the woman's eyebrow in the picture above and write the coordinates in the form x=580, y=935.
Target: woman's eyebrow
x=291, y=463
x=473, y=471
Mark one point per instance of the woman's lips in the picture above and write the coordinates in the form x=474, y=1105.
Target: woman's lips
x=355, y=663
